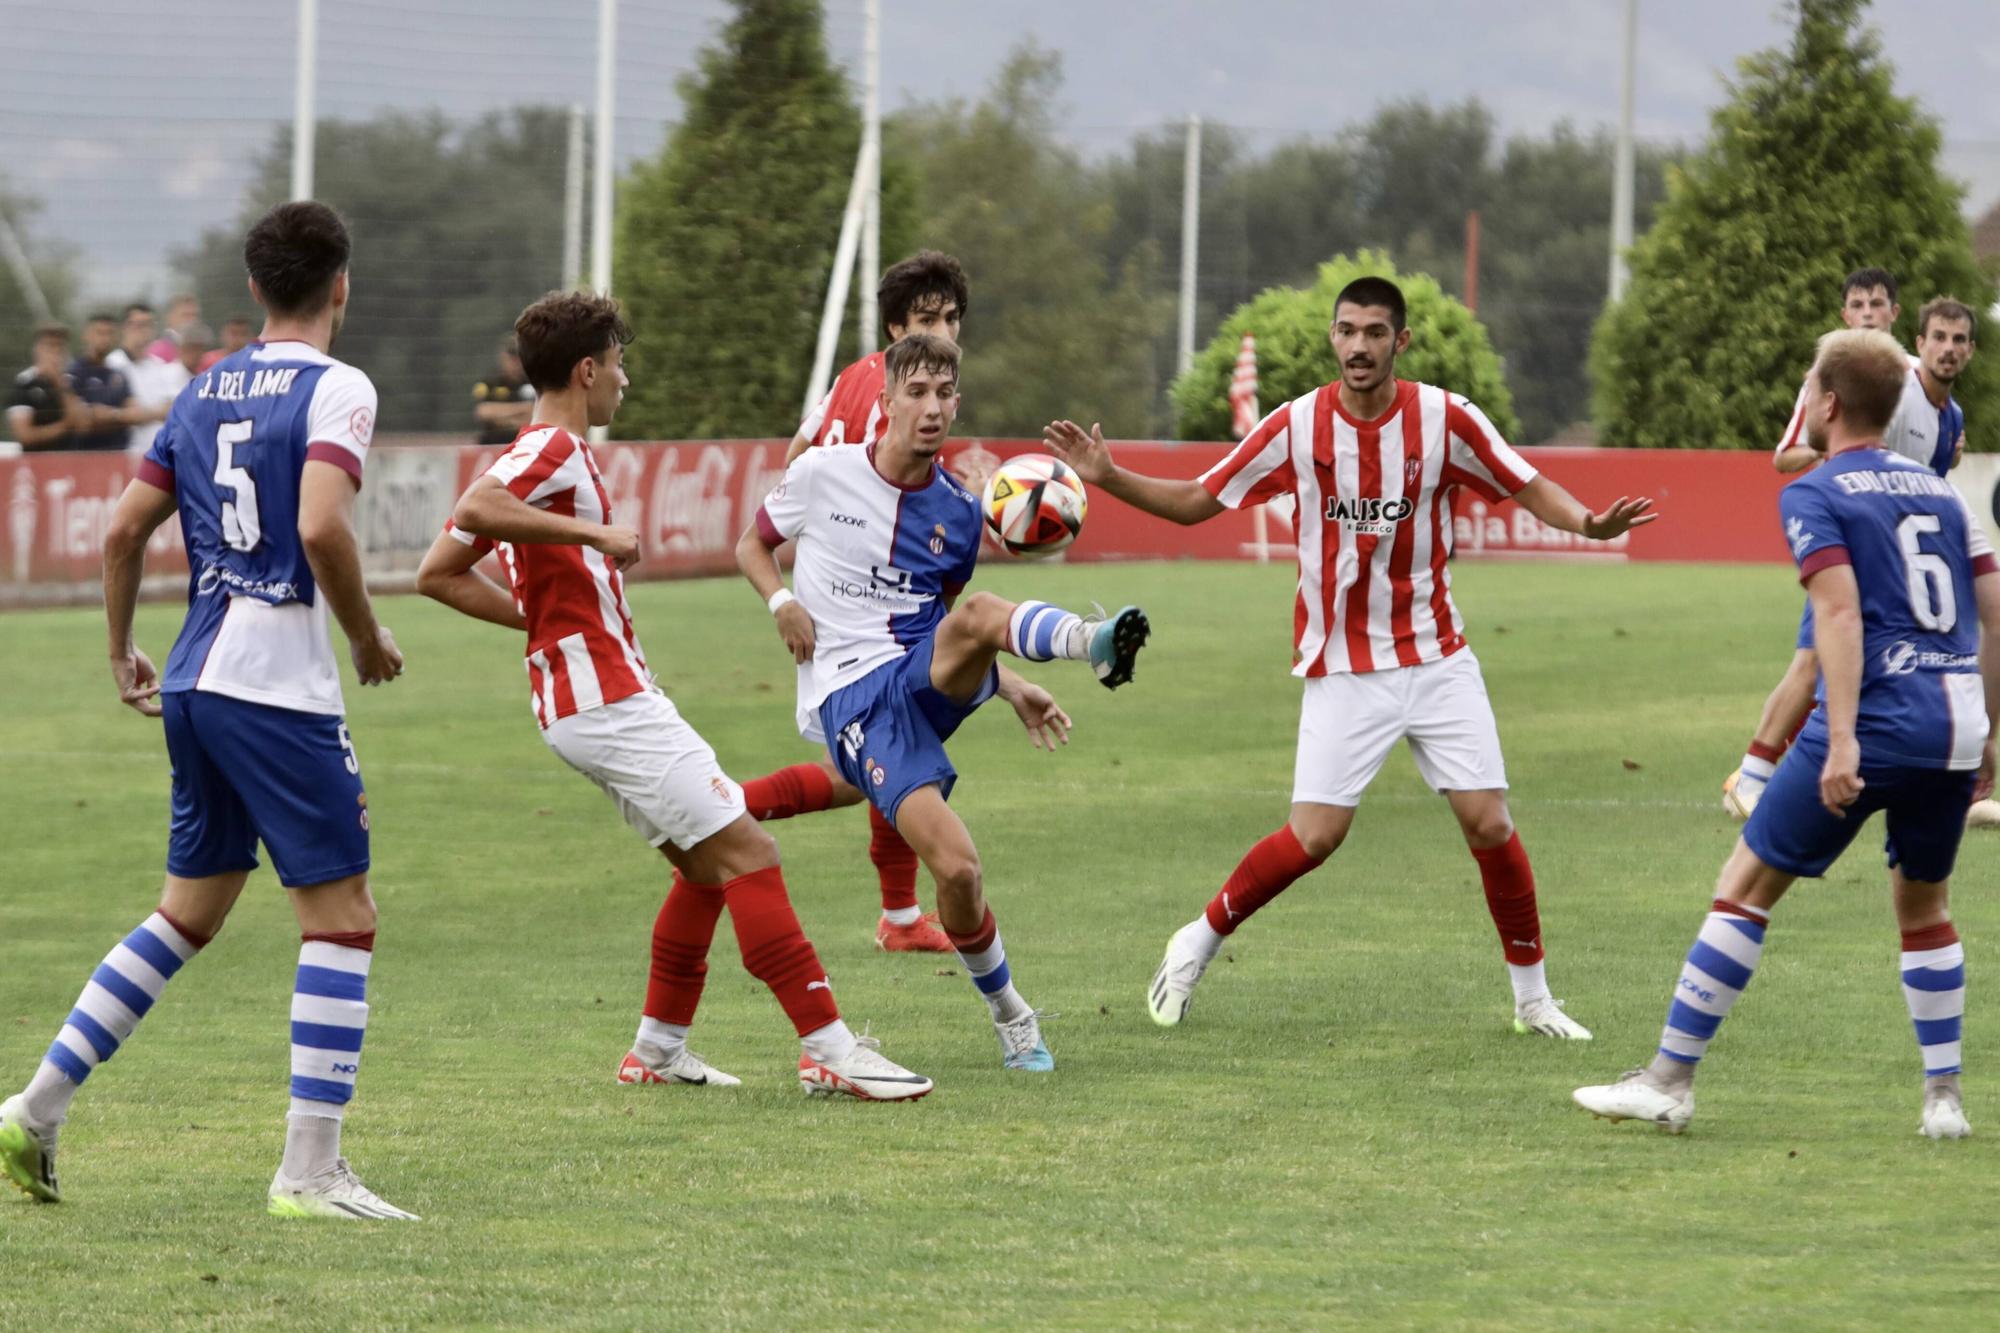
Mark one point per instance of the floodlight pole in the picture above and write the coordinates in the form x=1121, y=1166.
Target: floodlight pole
x=871, y=216
x=572, y=251
x=304, y=80
x=16, y=257
x=1190, y=239
x=600, y=183
x=1622, y=169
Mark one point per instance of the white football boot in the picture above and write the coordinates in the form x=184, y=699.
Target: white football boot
x=1172, y=989
x=1544, y=1017
x=864, y=1074
x=1633, y=1097
x=335, y=1192
x=1740, y=795
x=1944, y=1111
x=28, y=1154
x=681, y=1066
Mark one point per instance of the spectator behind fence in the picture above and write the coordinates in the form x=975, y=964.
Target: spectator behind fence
x=153, y=382
x=42, y=412
x=235, y=337
x=196, y=340
x=505, y=402
x=101, y=387
x=182, y=312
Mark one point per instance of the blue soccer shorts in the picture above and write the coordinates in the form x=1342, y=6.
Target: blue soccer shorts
x=886, y=731
x=1924, y=807
x=244, y=772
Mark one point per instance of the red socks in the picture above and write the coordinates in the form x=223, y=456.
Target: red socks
x=776, y=951
x=805, y=789
x=1267, y=871
x=895, y=862
x=801, y=789
x=1510, y=897
x=682, y=934
x=1931, y=937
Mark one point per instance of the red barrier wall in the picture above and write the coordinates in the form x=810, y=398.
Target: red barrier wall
x=690, y=501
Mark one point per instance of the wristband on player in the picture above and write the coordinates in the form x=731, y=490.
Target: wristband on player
x=780, y=599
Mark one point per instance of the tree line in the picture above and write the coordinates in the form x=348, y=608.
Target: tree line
x=725, y=236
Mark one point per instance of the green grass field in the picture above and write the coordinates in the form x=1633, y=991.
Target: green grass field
x=1344, y=1133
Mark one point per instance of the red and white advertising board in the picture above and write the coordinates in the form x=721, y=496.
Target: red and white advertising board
x=689, y=502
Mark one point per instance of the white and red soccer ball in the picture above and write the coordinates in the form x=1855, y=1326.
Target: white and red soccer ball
x=1034, y=505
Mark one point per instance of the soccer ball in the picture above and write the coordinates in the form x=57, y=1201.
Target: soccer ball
x=1034, y=505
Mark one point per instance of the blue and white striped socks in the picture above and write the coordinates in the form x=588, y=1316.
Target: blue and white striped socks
x=116, y=997
x=985, y=960
x=329, y=1019
x=1934, y=986
x=1039, y=632
x=1718, y=967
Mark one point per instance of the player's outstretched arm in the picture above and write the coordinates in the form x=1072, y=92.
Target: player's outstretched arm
x=1549, y=502
x=1836, y=605
x=489, y=509
x=141, y=509
x=326, y=530
x=758, y=560
x=800, y=443
x=1185, y=502
x=450, y=574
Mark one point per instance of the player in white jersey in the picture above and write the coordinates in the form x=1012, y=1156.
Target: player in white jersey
x=925, y=293
x=544, y=507
x=891, y=664
x=1373, y=461
x=1928, y=428
x=262, y=455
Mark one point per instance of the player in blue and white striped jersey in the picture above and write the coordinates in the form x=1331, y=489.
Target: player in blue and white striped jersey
x=1906, y=598
x=261, y=455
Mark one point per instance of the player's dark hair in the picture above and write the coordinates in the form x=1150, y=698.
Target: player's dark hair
x=1867, y=280
x=294, y=252
x=1947, y=307
x=562, y=329
x=1376, y=291
x=1865, y=369
x=919, y=351
x=926, y=280
x=101, y=317
x=136, y=308
x=51, y=333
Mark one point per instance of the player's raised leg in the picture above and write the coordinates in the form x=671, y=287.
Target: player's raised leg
x=803, y=789
x=984, y=625
x=1720, y=963
x=329, y=1020
x=1312, y=834
x=121, y=991
x=941, y=839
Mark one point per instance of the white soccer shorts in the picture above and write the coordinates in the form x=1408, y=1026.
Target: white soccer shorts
x=1350, y=721
x=657, y=769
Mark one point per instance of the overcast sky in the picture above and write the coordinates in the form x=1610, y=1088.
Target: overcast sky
x=135, y=121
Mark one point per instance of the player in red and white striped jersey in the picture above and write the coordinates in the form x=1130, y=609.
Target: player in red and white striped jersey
x=925, y=293
x=543, y=506
x=1377, y=637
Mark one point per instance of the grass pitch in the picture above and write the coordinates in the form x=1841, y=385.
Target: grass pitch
x=1344, y=1133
